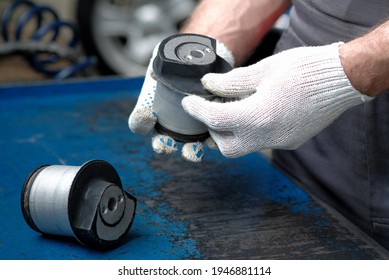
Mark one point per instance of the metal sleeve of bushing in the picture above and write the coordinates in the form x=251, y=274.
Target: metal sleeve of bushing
x=181, y=61
x=87, y=202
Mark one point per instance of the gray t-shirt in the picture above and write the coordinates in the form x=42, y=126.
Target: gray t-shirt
x=319, y=22
x=347, y=164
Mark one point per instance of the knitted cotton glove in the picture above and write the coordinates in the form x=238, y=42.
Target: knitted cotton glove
x=143, y=119
x=292, y=96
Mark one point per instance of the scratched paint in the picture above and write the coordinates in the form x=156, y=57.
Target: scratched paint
x=246, y=209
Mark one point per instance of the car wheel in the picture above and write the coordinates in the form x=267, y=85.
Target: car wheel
x=123, y=33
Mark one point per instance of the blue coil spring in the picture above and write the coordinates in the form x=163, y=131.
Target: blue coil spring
x=32, y=48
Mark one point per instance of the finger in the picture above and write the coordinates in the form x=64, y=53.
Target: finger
x=228, y=143
x=193, y=152
x=236, y=83
x=211, y=143
x=224, y=140
x=213, y=114
x=142, y=120
x=163, y=144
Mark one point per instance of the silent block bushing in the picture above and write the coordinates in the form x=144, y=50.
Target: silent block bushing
x=182, y=60
x=87, y=202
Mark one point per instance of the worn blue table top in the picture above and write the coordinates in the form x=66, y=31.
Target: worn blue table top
x=220, y=209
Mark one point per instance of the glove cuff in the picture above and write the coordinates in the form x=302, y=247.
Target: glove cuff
x=225, y=53
x=325, y=81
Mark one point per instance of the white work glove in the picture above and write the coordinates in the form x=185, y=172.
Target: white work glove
x=291, y=96
x=143, y=119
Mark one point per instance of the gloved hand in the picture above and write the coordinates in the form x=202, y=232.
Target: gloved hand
x=143, y=119
x=291, y=96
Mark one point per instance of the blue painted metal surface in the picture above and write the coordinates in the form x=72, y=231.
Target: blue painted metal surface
x=222, y=208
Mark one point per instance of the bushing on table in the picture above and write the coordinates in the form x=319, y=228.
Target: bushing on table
x=87, y=202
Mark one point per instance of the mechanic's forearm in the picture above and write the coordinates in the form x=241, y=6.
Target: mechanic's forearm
x=240, y=25
x=366, y=61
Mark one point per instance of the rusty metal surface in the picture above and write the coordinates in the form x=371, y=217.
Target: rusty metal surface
x=220, y=209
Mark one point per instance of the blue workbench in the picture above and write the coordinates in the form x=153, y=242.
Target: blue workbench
x=220, y=209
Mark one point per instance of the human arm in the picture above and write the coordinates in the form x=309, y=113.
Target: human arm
x=239, y=25
x=366, y=61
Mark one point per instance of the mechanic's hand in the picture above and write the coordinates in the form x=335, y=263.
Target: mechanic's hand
x=291, y=96
x=143, y=119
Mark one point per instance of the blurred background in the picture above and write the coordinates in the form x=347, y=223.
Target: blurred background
x=117, y=36
x=14, y=67
x=54, y=39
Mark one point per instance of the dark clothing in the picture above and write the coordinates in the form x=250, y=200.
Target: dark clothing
x=347, y=164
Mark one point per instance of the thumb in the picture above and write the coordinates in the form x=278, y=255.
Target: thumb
x=212, y=114
x=236, y=83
